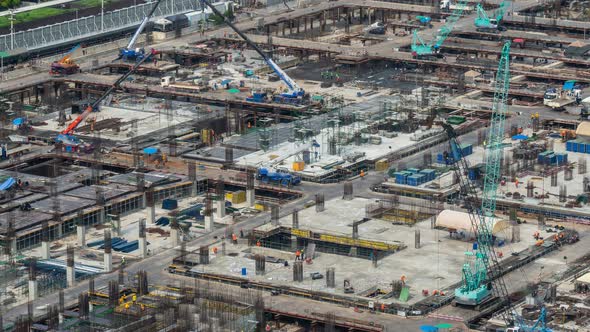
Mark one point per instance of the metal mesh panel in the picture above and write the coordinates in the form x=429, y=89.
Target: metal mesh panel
x=91, y=25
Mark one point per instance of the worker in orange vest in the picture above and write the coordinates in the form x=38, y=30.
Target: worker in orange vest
x=234, y=238
x=297, y=255
x=362, y=173
x=215, y=250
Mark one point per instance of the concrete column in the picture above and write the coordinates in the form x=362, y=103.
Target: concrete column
x=174, y=237
x=45, y=253
x=220, y=208
x=70, y=276
x=33, y=290
x=209, y=223
x=117, y=221
x=194, y=189
x=101, y=216
x=13, y=246
x=143, y=201
x=108, y=262
x=151, y=214
x=142, y=247
x=58, y=231
x=81, y=230
x=250, y=197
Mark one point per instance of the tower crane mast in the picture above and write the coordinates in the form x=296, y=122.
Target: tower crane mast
x=422, y=49
x=474, y=285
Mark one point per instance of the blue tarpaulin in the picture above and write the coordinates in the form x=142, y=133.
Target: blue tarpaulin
x=520, y=137
x=226, y=81
x=150, y=150
x=7, y=184
x=428, y=328
x=569, y=85
x=18, y=121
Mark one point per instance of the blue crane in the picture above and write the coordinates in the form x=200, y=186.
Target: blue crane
x=422, y=49
x=130, y=52
x=484, y=23
x=294, y=94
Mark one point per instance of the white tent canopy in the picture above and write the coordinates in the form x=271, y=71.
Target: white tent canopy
x=460, y=221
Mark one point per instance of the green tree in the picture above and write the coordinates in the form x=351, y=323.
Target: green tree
x=9, y=3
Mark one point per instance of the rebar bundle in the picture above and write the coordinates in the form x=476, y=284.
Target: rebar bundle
x=121, y=275
x=113, y=292
x=204, y=255
x=274, y=215
x=70, y=255
x=61, y=301
x=568, y=174
x=33, y=269
x=108, y=242
x=427, y=158
x=348, y=191
x=83, y=305
x=563, y=193
x=220, y=189
x=295, y=220
x=319, y=202
x=260, y=264
x=530, y=189
x=192, y=171
x=208, y=205
x=330, y=277
x=229, y=154
x=142, y=282
x=298, y=271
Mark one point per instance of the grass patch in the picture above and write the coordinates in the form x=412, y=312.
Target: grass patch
x=32, y=15
x=42, y=13
x=89, y=3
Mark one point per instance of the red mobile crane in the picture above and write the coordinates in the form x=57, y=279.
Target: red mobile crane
x=66, y=138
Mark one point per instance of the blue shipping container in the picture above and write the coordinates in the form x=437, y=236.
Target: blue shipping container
x=169, y=204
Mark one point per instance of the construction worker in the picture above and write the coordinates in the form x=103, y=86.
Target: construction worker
x=362, y=173
x=297, y=255
x=302, y=254
x=258, y=244
x=142, y=307
x=241, y=233
x=126, y=306
x=215, y=250
x=123, y=261
x=234, y=238
x=134, y=298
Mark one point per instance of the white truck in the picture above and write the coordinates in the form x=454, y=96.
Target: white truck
x=558, y=99
x=170, y=82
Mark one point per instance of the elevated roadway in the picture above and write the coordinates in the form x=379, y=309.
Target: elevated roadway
x=362, y=54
